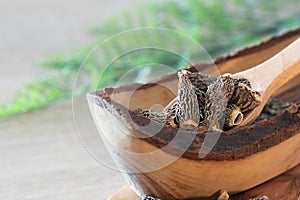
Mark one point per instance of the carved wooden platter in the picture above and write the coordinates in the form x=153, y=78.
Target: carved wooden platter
x=164, y=162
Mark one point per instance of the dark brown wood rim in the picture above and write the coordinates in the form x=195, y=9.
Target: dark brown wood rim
x=235, y=144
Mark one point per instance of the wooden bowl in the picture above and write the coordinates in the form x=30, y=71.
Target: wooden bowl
x=164, y=162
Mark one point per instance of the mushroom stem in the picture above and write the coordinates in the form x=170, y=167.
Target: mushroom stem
x=233, y=116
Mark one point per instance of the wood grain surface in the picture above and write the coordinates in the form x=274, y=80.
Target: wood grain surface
x=283, y=187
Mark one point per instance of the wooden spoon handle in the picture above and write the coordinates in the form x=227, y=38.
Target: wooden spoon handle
x=270, y=75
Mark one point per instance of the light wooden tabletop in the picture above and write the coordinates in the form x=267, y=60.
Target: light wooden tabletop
x=41, y=157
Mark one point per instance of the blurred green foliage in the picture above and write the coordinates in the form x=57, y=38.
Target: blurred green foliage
x=220, y=26
x=39, y=93
x=70, y=60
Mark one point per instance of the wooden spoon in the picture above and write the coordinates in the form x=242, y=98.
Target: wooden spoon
x=270, y=75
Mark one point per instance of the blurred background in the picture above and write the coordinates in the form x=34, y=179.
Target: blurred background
x=43, y=45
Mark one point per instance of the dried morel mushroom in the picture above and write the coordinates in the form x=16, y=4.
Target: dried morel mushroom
x=260, y=198
x=207, y=103
x=187, y=110
x=217, y=96
x=148, y=197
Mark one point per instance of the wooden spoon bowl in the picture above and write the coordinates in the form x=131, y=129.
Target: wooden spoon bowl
x=270, y=75
x=165, y=162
